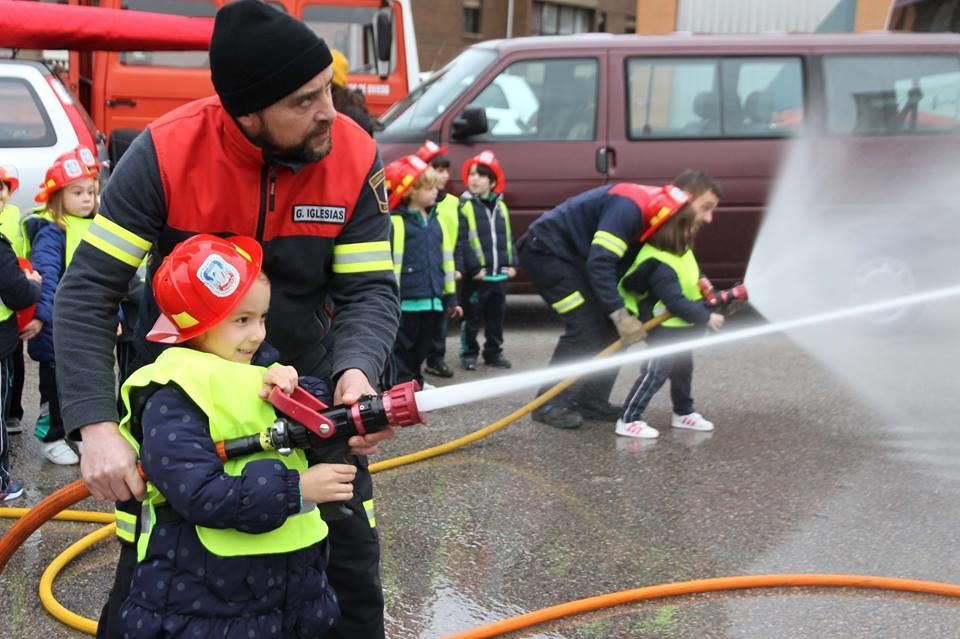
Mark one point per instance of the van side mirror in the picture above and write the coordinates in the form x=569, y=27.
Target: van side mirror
x=383, y=38
x=472, y=121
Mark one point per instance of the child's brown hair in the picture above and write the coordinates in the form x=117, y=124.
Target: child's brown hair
x=677, y=233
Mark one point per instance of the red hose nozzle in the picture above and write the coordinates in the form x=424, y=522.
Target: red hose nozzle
x=400, y=405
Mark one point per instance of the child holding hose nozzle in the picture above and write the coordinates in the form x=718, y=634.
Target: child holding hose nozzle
x=227, y=549
x=665, y=277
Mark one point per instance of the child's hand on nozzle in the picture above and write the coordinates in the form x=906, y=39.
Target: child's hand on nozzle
x=283, y=377
x=327, y=482
x=716, y=321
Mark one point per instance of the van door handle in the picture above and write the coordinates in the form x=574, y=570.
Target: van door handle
x=116, y=103
x=606, y=157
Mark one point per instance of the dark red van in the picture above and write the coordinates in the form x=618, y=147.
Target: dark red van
x=567, y=113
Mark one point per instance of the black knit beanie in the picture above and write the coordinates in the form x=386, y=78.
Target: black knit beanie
x=259, y=54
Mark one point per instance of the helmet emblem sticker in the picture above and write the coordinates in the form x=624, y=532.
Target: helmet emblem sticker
x=219, y=276
x=72, y=168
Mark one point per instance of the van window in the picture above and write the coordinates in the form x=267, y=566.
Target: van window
x=179, y=59
x=543, y=100
x=23, y=121
x=349, y=29
x=422, y=106
x=714, y=97
x=892, y=94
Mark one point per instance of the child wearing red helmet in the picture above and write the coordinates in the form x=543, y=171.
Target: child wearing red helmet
x=664, y=278
x=448, y=212
x=233, y=548
x=52, y=233
x=423, y=261
x=489, y=260
x=18, y=290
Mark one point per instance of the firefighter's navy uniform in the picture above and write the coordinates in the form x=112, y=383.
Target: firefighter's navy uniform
x=573, y=256
x=325, y=235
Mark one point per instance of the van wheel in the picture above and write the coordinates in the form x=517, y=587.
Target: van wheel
x=120, y=140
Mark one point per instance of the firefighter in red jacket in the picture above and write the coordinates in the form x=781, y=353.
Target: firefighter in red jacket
x=268, y=158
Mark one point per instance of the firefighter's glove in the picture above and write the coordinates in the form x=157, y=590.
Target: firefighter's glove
x=631, y=329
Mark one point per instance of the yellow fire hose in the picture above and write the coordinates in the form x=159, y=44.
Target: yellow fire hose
x=581, y=606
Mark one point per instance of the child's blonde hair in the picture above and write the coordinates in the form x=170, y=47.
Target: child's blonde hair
x=428, y=179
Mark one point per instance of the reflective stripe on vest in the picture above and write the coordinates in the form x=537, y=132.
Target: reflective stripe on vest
x=687, y=270
x=473, y=237
x=449, y=241
x=126, y=526
x=226, y=392
x=74, y=227
x=117, y=242
x=610, y=242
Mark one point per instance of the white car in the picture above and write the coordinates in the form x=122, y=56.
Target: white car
x=39, y=120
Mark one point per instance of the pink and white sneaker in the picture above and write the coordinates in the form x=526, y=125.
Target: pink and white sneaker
x=693, y=421
x=638, y=429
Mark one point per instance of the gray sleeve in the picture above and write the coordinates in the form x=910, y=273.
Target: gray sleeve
x=366, y=304
x=132, y=213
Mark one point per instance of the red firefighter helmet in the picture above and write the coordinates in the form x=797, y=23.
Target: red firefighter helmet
x=9, y=176
x=78, y=164
x=200, y=283
x=430, y=150
x=663, y=203
x=489, y=160
x=401, y=175
x=24, y=315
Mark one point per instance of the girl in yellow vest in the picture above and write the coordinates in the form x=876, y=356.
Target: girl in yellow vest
x=11, y=225
x=663, y=278
x=233, y=549
x=52, y=233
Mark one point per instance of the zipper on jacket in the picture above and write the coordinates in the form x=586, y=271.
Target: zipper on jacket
x=273, y=188
x=262, y=215
x=492, y=217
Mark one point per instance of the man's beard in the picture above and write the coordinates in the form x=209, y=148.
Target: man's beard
x=302, y=152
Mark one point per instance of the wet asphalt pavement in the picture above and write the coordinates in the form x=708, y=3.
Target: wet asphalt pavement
x=798, y=477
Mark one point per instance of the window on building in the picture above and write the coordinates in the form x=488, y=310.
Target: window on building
x=471, y=16
x=550, y=18
x=543, y=100
x=892, y=95
x=714, y=97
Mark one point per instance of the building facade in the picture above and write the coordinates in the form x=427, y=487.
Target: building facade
x=446, y=27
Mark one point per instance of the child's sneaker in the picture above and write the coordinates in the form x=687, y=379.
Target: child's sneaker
x=639, y=429
x=693, y=421
x=468, y=363
x=13, y=490
x=59, y=452
x=14, y=426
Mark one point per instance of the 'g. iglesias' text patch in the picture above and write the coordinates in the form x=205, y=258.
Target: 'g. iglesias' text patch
x=319, y=213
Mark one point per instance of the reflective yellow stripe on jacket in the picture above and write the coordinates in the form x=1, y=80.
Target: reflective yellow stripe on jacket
x=610, y=242
x=570, y=302
x=116, y=241
x=362, y=257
